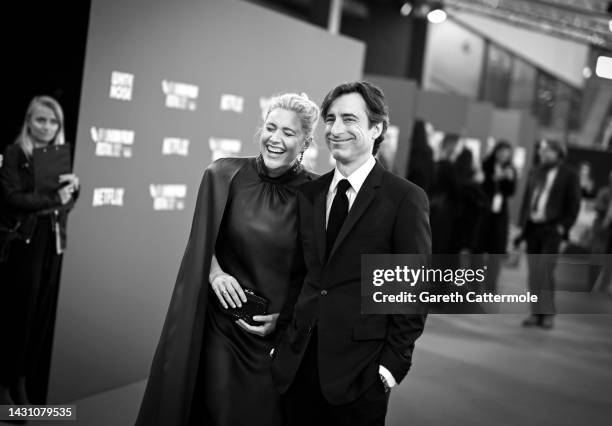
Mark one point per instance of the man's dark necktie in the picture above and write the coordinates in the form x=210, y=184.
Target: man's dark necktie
x=540, y=183
x=537, y=193
x=337, y=214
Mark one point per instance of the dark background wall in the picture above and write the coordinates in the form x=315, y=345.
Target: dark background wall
x=45, y=47
x=388, y=38
x=396, y=44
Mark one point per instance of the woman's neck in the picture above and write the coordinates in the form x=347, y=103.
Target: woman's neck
x=276, y=172
x=279, y=171
x=40, y=144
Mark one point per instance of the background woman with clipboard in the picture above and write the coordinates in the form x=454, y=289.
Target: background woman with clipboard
x=33, y=214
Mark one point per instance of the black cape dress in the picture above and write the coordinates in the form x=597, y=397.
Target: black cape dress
x=207, y=370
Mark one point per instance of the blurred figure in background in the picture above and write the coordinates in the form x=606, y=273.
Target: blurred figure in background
x=549, y=209
x=499, y=184
x=388, y=149
x=457, y=201
x=587, y=184
x=444, y=198
x=33, y=237
x=470, y=202
x=601, y=241
x=455, y=206
x=421, y=166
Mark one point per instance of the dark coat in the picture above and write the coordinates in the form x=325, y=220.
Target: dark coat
x=563, y=201
x=21, y=204
x=169, y=391
x=493, y=230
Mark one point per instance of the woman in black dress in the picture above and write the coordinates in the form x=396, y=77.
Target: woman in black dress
x=32, y=237
x=421, y=165
x=499, y=185
x=253, y=231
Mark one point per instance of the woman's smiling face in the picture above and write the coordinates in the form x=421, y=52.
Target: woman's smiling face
x=282, y=140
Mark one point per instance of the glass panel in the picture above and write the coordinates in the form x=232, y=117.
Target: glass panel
x=498, y=73
x=522, y=87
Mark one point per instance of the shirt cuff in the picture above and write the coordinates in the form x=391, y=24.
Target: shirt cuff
x=387, y=375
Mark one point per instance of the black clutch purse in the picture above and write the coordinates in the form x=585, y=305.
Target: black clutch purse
x=255, y=305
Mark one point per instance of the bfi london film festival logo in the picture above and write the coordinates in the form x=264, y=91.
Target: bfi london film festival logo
x=175, y=146
x=221, y=148
x=168, y=197
x=232, y=103
x=180, y=95
x=122, y=84
x=112, y=142
x=108, y=197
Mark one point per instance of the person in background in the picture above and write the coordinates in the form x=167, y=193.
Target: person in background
x=421, y=166
x=444, y=198
x=387, y=152
x=498, y=186
x=33, y=228
x=587, y=184
x=550, y=208
x=601, y=241
x=470, y=203
x=210, y=368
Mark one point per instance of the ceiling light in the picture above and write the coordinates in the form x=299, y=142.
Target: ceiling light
x=604, y=67
x=587, y=72
x=406, y=9
x=436, y=16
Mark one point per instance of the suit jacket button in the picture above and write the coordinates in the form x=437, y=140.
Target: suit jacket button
x=323, y=292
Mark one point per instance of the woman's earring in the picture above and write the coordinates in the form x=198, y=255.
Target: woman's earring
x=301, y=157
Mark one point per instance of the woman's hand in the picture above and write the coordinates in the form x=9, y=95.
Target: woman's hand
x=72, y=179
x=228, y=291
x=65, y=194
x=267, y=327
x=70, y=184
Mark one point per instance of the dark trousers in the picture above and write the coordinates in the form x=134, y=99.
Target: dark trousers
x=492, y=242
x=305, y=405
x=28, y=300
x=543, y=241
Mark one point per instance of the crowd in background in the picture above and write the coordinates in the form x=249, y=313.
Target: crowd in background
x=562, y=212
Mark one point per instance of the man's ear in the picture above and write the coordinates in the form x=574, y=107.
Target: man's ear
x=378, y=128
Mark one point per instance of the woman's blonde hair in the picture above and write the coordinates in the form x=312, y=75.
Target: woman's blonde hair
x=24, y=140
x=306, y=110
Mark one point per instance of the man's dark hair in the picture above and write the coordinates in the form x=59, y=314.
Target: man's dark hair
x=377, y=109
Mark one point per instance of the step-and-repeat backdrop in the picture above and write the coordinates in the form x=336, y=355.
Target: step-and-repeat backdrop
x=168, y=87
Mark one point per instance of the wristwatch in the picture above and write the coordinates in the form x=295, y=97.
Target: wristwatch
x=385, y=384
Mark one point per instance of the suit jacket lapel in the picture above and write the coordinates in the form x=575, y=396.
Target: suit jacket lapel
x=364, y=199
x=319, y=210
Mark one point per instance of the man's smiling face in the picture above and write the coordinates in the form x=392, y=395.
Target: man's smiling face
x=347, y=130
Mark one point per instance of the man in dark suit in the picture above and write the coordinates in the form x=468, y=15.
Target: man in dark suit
x=550, y=208
x=333, y=364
